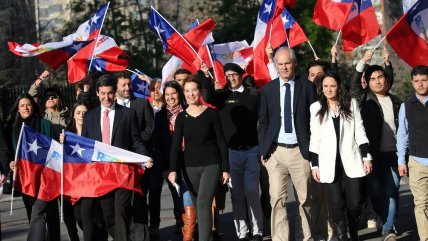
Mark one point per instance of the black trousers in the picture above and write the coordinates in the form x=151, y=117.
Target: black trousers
x=42, y=214
x=202, y=184
x=70, y=221
x=264, y=195
x=345, y=197
x=116, y=209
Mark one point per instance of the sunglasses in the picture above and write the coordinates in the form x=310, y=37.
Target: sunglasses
x=52, y=97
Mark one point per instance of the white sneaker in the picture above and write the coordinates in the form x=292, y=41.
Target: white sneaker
x=371, y=223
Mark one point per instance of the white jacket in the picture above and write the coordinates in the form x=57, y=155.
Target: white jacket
x=323, y=142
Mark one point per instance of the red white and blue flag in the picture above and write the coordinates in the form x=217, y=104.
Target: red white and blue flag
x=332, y=14
x=361, y=25
x=53, y=54
x=174, y=43
x=409, y=36
x=407, y=4
x=269, y=9
x=108, y=57
x=238, y=52
x=140, y=88
x=285, y=28
x=90, y=30
x=93, y=169
x=39, y=165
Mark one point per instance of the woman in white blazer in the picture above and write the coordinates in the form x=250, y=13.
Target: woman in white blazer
x=339, y=154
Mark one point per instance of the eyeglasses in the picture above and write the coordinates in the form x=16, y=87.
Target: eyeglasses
x=52, y=97
x=234, y=75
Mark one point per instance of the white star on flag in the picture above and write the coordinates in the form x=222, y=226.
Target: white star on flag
x=33, y=147
x=77, y=149
x=98, y=68
x=159, y=30
x=77, y=47
x=268, y=8
x=95, y=18
x=141, y=87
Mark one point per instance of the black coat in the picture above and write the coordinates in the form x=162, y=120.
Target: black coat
x=125, y=134
x=371, y=111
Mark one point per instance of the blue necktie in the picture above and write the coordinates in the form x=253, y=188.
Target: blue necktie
x=288, y=127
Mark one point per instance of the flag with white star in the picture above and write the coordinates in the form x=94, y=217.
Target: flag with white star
x=140, y=87
x=93, y=169
x=53, y=54
x=39, y=166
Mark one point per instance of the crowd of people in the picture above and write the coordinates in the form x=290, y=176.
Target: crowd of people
x=344, y=148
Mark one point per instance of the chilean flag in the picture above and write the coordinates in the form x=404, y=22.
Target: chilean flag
x=108, y=57
x=93, y=169
x=39, y=165
x=268, y=10
x=285, y=28
x=53, y=54
x=361, y=25
x=332, y=14
x=89, y=30
x=409, y=36
x=173, y=42
x=140, y=87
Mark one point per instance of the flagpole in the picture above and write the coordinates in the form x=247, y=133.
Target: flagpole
x=288, y=42
x=212, y=63
x=185, y=40
x=62, y=179
x=132, y=71
x=338, y=35
x=209, y=73
x=313, y=50
x=16, y=167
x=96, y=39
x=377, y=45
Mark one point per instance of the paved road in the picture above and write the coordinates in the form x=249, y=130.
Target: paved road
x=15, y=227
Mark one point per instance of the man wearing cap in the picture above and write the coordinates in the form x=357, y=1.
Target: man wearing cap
x=239, y=109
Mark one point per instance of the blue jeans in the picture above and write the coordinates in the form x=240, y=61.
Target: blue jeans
x=384, y=183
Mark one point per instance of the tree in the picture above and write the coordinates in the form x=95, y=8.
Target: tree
x=17, y=23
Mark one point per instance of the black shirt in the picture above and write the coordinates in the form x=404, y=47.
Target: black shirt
x=239, y=113
x=203, y=138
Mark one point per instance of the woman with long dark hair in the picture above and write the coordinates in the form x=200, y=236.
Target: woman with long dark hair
x=25, y=110
x=174, y=103
x=72, y=212
x=339, y=154
x=205, y=161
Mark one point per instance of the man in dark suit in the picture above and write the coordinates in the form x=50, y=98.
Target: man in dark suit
x=117, y=126
x=284, y=143
x=139, y=225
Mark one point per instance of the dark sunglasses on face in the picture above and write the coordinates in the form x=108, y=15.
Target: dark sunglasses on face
x=52, y=97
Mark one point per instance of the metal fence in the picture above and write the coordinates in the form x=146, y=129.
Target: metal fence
x=8, y=97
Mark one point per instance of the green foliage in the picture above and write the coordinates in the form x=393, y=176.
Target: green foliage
x=321, y=38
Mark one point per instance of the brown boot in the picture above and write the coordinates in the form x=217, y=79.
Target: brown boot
x=189, y=223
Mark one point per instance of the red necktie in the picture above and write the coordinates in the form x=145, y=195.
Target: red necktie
x=106, y=127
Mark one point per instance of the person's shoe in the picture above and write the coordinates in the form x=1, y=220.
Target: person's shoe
x=154, y=232
x=391, y=236
x=215, y=236
x=246, y=238
x=371, y=223
x=257, y=237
